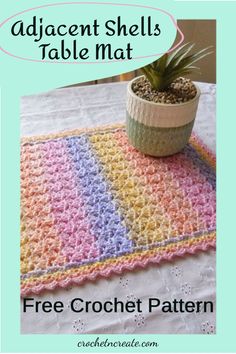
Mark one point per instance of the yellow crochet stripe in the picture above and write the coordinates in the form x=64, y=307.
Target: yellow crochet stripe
x=115, y=262
x=135, y=204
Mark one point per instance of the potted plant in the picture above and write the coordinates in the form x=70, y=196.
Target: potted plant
x=162, y=104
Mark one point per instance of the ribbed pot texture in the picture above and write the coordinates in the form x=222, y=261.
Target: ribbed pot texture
x=159, y=129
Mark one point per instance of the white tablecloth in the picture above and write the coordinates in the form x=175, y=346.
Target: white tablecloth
x=190, y=278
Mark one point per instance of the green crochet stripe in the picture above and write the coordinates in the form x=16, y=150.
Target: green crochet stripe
x=157, y=141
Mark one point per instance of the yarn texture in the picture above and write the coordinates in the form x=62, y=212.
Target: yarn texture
x=93, y=206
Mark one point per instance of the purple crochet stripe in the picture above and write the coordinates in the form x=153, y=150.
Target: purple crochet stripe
x=205, y=169
x=105, y=221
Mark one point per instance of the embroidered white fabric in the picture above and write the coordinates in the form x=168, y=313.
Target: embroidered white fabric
x=190, y=278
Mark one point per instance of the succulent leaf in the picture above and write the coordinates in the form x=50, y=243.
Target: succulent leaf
x=179, y=53
x=163, y=71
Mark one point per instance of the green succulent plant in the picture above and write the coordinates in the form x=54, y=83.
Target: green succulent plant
x=163, y=71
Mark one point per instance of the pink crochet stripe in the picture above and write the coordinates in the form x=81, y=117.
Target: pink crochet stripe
x=61, y=180
x=36, y=210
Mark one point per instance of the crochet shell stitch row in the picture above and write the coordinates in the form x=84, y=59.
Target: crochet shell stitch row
x=92, y=205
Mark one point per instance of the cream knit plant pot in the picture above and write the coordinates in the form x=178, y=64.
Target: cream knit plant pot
x=159, y=129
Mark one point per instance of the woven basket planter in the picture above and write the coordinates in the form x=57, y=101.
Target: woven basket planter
x=159, y=129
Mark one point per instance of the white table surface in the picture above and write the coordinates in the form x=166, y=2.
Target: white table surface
x=190, y=278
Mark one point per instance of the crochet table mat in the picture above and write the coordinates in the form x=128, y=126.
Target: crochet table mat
x=92, y=205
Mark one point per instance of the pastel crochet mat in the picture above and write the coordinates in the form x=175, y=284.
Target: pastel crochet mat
x=92, y=206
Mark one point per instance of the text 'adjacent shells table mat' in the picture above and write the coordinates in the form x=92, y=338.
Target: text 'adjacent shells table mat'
x=92, y=206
